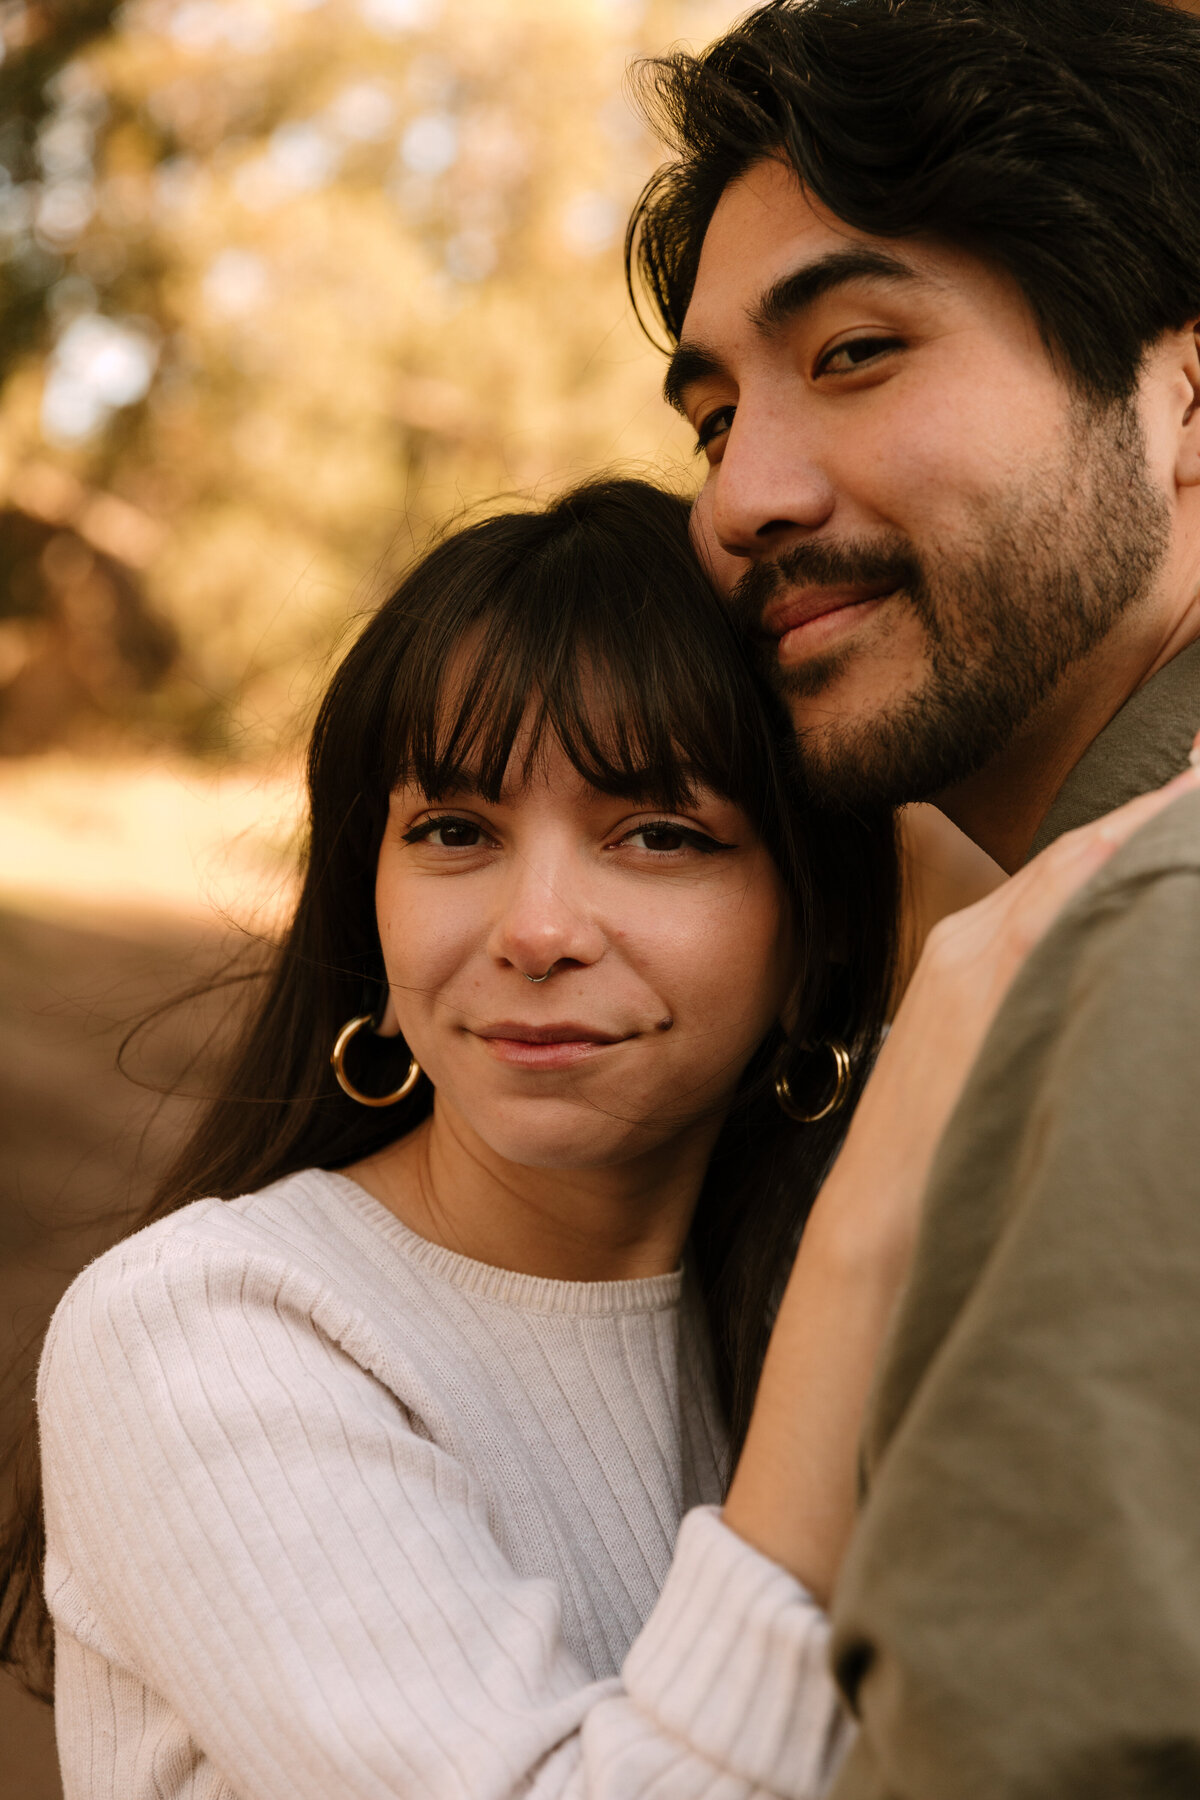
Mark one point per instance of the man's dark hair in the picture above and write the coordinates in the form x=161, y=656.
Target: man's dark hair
x=1057, y=139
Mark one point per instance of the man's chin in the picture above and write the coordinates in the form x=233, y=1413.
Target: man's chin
x=847, y=770
x=889, y=757
x=863, y=750
x=809, y=688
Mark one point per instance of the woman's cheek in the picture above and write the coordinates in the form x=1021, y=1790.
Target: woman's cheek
x=731, y=966
x=424, y=948
x=755, y=966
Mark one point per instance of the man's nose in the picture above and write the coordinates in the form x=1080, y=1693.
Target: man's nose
x=544, y=918
x=769, y=488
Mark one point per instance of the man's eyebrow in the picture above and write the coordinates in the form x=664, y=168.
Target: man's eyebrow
x=783, y=300
x=791, y=294
x=689, y=363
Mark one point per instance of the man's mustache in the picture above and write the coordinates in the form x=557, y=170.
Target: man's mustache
x=829, y=564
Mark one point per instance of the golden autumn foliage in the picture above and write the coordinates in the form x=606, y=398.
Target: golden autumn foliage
x=314, y=275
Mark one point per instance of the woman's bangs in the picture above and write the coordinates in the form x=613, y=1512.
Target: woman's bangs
x=492, y=703
x=631, y=728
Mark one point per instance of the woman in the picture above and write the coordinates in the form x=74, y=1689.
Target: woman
x=399, y=1474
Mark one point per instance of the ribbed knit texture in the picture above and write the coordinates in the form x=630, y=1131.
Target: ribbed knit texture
x=336, y=1514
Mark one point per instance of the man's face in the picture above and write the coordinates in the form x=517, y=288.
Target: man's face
x=906, y=503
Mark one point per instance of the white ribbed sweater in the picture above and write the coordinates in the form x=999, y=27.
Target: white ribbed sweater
x=335, y=1514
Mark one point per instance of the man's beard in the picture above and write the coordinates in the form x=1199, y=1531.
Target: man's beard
x=1053, y=567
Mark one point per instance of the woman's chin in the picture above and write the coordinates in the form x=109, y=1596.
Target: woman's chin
x=562, y=1134
x=586, y=1123
x=566, y=1150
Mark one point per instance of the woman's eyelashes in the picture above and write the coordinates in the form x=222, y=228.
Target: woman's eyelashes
x=666, y=837
x=447, y=832
x=659, y=838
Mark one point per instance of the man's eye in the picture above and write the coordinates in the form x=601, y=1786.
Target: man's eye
x=714, y=425
x=446, y=834
x=843, y=359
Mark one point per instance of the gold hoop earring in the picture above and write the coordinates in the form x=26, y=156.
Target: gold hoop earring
x=843, y=1070
x=341, y=1044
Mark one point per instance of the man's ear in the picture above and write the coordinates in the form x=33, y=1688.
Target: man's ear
x=1187, y=462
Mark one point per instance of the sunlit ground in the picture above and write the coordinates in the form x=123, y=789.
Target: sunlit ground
x=141, y=841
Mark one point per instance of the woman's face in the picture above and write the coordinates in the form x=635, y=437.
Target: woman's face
x=667, y=936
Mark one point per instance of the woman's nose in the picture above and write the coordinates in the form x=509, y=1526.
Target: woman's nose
x=544, y=920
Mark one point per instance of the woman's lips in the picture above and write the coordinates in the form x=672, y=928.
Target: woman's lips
x=544, y=1046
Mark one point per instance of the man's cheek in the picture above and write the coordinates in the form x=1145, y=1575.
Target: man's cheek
x=724, y=569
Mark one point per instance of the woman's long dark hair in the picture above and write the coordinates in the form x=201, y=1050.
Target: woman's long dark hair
x=592, y=620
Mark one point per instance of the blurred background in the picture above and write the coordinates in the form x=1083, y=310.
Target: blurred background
x=283, y=283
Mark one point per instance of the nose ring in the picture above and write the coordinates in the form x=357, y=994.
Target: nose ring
x=538, y=979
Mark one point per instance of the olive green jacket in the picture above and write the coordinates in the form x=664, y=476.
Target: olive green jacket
x=1019, y=1615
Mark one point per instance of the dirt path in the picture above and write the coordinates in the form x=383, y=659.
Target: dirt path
x=79, y=1146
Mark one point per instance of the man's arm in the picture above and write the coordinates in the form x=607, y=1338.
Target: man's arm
x=1020, y=1612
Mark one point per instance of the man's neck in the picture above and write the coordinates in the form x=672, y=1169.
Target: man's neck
x=1002, y=805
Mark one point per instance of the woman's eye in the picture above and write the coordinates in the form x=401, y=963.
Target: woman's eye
x=713, y=426
x=660, y=837
x=845, y=358
x=447, y=834
x=666, y=839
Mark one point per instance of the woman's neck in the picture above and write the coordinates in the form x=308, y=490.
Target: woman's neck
x=613, y=1223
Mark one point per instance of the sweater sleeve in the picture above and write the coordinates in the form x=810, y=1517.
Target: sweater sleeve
x=244, y=1520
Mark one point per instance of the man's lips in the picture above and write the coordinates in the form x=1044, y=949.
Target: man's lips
x=544, y=1046
x=801, y=605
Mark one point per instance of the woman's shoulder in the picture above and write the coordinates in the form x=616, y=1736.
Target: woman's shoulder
x=303, y=1245
x=261, y=1280
x=287, y=1216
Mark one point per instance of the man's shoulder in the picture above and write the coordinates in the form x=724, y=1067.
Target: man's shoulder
x=1124, y=953
x=1168, y=844
x=1146, y=894
x=1140, y=748
x=1136, y=922
x=1078, y=1118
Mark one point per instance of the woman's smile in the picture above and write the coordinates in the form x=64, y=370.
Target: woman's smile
x=542, y=1047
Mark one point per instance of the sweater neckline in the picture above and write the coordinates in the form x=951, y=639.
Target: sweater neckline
x=506, y=1287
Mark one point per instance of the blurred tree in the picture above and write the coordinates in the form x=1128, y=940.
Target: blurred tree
x=36, y=42
x=315, y=273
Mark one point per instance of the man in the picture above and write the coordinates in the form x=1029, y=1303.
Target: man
x=932, y=273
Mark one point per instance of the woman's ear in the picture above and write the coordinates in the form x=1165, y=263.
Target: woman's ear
x=389, y=1023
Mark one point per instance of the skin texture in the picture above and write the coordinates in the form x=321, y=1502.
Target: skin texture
x=918, y=408
x=590, y=1169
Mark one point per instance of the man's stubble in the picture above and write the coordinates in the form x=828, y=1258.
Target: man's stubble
x=1054, y=563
